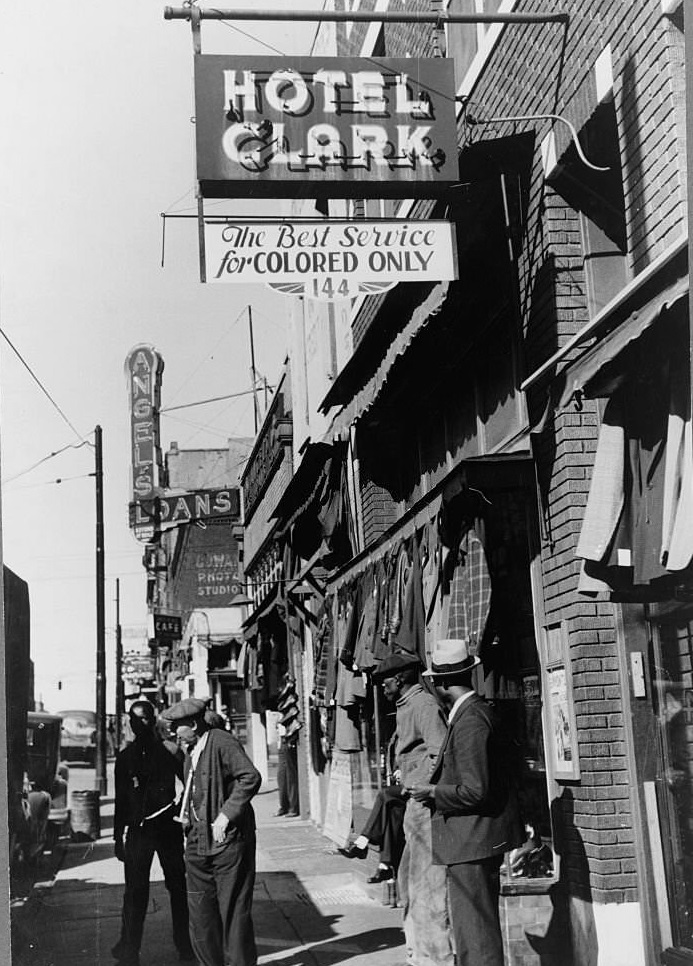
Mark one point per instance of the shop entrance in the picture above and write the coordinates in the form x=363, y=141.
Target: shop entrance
x=660, y=655
x=672, y=700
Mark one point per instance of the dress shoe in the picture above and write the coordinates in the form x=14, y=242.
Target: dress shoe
x=381, y=875
x=352, y=851
x=280, y=812
x=291, y=814
x=124, y=955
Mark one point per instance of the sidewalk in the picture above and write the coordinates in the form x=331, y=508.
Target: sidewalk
x=312, y=906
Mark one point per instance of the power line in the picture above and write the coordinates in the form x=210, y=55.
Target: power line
x=60, y=479
x=253, y=37
x=38, y=382
x=45, y=459
x=203, y=402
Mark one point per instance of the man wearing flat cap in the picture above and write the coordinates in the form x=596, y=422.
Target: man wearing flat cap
x=420, y=734
x=220, y=781
x=475, y=816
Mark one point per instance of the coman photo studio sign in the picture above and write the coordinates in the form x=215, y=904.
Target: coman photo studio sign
x=330, y=260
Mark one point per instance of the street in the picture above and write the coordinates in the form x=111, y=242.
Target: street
x=312, y=906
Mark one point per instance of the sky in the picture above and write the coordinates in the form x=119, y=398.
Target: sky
x=98, y=141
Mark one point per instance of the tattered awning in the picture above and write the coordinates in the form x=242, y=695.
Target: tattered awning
x=264, y=608
x=214, y=625
x=598, y=370
x=364, y=398
x=306, y=484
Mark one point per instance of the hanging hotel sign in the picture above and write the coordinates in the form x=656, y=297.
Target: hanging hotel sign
x=144, y=367
x=187, y=507
x=330, y=260
x=337, y=126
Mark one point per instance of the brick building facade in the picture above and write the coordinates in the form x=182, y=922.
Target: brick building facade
x=571, y=214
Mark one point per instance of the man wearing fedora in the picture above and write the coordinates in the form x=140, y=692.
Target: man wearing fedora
x=420, y=734
x=475, y=816
x=220, y=781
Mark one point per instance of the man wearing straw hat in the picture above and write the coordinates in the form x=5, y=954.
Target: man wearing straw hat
x=220, y=781
x=475, y=816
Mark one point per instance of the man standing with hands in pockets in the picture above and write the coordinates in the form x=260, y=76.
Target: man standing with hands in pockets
x=220, y=781
x=475, y=817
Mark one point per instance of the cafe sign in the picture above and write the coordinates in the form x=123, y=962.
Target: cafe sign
x=336, y=126
x=330, y=260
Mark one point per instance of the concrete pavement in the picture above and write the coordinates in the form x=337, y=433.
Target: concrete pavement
x=312, y=906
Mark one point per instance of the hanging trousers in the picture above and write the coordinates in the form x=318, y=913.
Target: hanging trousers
x=287, y=777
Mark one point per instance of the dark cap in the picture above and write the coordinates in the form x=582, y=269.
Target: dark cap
x=394, y=663
x=188, y=708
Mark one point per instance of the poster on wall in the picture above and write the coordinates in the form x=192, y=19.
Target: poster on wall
x=562, y=733
x=337, y=824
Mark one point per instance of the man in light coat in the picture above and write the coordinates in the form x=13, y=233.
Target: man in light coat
x=420, y=734
x=475, y=816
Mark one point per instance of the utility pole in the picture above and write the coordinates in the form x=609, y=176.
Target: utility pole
x=100, y=781
x=120, y=688
x=253, y=371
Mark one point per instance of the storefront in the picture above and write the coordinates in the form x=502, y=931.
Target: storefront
x=635, y=548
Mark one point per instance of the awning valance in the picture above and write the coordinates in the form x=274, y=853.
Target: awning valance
x=593, y=372
x=365, y=397
x=214, y=625
x=268, y=603
x=305, y=485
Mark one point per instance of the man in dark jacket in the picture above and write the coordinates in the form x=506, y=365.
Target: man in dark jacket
x=220, y=781
x=145, y=794
x=475, y=817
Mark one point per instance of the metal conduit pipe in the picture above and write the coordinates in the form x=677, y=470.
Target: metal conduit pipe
x=356, y=16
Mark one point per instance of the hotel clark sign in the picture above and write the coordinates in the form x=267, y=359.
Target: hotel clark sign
x=331, y=126
x=330, y=260
x=144, y=367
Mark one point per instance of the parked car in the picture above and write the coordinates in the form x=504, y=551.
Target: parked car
x=78, y=742
x=47, y=780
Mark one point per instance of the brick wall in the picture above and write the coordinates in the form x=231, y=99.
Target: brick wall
x=549, y=69
x=593, y=816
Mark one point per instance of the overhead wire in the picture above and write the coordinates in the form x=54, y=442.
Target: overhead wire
x=45, y=459
x=251, y=36
x=40, y=384
x=60, y=479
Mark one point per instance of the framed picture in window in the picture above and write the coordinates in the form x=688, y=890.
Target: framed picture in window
x=561, y=730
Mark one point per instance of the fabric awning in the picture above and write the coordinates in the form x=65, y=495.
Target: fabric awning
x=305, y=485
x=591, y=373
x=214, y=625
x=267, y=604
x=364, y=398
